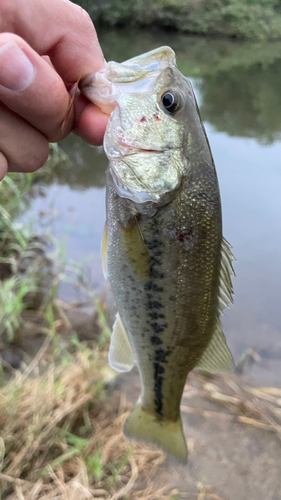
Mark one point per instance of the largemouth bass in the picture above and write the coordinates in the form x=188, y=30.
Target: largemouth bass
x=168, y=265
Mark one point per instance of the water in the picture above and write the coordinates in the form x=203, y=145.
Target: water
x=238, y=89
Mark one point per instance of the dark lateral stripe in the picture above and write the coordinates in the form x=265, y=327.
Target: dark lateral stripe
x=159, y=370
x=155, y=307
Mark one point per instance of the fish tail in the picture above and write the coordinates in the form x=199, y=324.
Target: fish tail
x=167, y=435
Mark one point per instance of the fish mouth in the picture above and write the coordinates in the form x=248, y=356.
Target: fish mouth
x=141, y=150
x=117, y=144
x=134, y=149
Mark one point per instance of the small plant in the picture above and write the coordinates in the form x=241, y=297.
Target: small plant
x=26, y=276
x=12, y=294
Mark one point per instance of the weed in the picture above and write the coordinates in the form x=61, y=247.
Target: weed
x=49, y=447
x=26, y=278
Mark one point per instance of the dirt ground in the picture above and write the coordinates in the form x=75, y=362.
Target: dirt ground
x=229, y=460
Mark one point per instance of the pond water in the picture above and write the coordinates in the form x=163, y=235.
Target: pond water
x=238, y=90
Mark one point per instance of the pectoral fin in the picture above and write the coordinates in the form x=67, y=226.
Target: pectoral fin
x=104, y=252
x=120, y=356
x=136, y=249
x=217, y=357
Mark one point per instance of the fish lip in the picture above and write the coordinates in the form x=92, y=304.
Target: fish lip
x=135, y=149
x=150, y=150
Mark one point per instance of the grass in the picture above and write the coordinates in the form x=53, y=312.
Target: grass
x=62, y=438
x=26, y=272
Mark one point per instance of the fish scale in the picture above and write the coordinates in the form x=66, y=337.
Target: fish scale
x=177, y=303
x=163, y=250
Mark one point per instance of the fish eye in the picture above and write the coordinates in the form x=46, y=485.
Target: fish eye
x=171, y=101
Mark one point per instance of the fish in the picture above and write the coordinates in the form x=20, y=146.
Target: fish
x=163, y=251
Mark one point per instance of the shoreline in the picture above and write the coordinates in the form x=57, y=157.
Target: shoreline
x=230, y=19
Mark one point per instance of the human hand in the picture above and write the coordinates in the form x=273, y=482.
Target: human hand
x=45, y=48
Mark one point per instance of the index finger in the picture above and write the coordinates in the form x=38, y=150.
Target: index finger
x=57, y=28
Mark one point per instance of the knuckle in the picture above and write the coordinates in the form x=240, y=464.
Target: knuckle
x=84, y=16
x=86, y=19
x=80, y=16
x=85, y=24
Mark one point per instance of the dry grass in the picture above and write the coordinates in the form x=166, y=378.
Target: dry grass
x=61, y=439
x=259, y=407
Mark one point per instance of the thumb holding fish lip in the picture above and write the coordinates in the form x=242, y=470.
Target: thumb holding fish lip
x=29, y=119
x=31, y=88
x=90, y=121
x=34, y=98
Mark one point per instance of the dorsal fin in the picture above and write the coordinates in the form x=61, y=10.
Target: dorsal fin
x=225, y=286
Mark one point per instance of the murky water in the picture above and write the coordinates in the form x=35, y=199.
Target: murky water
x=238, y=89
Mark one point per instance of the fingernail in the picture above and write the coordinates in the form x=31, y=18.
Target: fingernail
x=16, y=70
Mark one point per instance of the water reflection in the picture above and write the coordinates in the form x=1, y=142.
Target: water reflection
x=87, y=165
x=240, y=81
x=244, y=102
x=238, y=86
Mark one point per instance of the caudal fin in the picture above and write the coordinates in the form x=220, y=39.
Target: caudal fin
x=143, y=426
